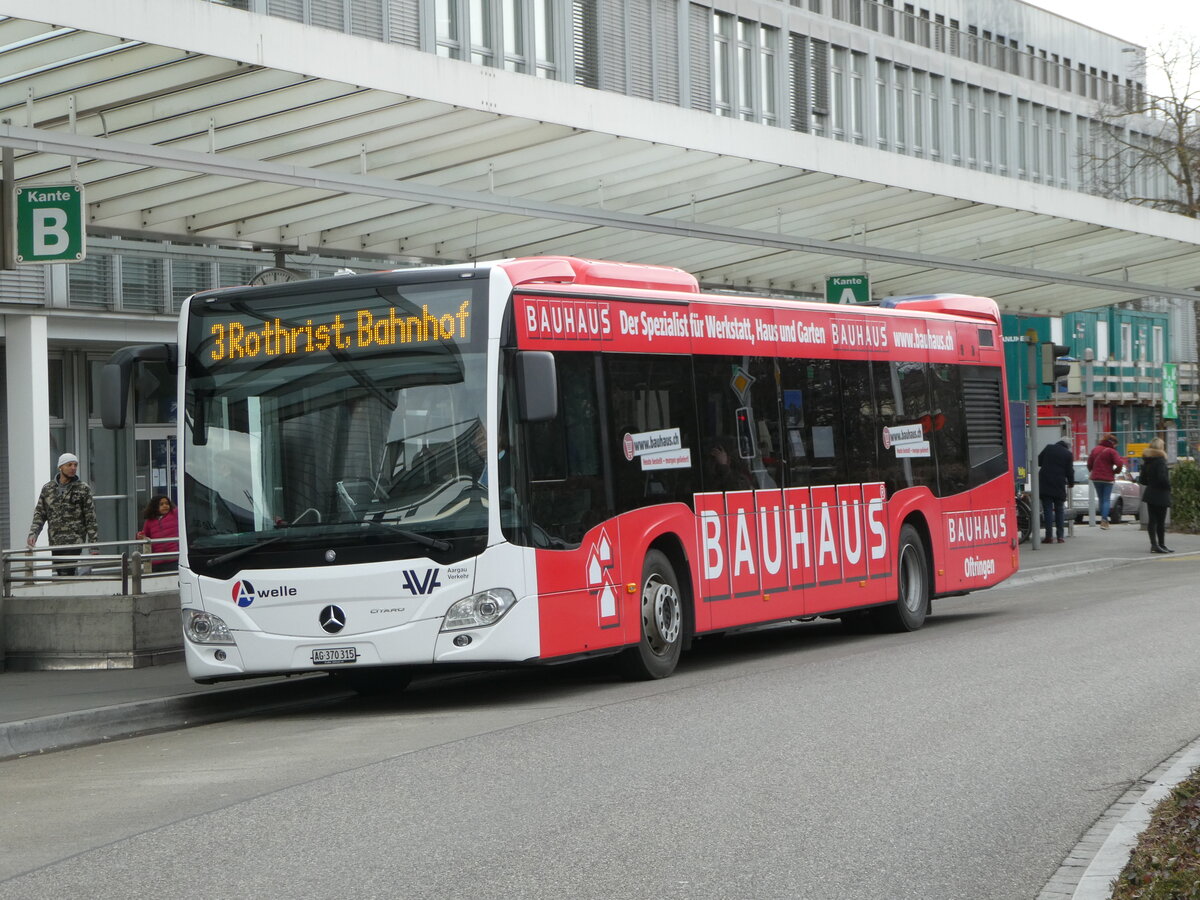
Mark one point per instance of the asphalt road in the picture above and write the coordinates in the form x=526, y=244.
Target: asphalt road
x=960, y=762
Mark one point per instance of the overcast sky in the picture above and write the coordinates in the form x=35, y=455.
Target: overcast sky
x=1154, y=23
x=1143, y=22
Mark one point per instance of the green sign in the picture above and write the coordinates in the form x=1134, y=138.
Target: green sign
x=1170, y=386
x=49, y=223
x=847, y=289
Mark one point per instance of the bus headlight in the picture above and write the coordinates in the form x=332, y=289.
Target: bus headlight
x=205, y=628
x=479, y=610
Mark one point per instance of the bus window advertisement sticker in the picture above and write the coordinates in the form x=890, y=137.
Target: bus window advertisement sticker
x=902, y=434
x=361, y=329
x=680, y=459
x=644, y=442
x=915, y=448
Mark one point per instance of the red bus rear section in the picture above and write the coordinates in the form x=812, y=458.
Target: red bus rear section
x=873, y=441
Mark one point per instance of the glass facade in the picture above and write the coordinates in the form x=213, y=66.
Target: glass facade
x=633, y=46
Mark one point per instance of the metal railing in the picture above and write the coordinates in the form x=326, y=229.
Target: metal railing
x=105, y=561
x=1124, y=381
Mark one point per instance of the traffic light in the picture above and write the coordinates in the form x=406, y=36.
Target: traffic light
x=745, y=432
x=1052, y=369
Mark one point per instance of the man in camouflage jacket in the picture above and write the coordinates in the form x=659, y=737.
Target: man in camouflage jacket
x=67, y=507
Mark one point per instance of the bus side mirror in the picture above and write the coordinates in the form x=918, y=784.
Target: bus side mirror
x=115, y=377
x=537, y=386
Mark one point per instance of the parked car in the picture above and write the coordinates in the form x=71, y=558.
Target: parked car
x=1126, y=496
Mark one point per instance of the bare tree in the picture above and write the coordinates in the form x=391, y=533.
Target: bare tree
x=1145, y=149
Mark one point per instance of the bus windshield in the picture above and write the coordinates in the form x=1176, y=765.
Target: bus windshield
x=350, y=421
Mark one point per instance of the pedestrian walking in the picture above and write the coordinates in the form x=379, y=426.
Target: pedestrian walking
x=1103, y=463
x=67, y=509
x=1056, y=476
x=1156, y=494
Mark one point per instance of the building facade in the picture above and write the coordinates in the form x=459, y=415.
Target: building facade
x=999, y=87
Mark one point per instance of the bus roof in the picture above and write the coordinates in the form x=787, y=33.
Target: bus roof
x=628, y=278
x=572, y=270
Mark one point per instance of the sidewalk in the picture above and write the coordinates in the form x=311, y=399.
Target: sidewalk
x=44, y=711
x=1091, y=549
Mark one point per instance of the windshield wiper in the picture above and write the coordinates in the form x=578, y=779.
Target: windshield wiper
x=242, y=551
x=415, y=536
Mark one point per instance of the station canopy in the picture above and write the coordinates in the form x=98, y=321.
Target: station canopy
x=209, y=124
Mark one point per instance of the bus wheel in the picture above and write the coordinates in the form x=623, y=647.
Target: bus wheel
x=912, y=585
x=376, y=681
x=657, y=653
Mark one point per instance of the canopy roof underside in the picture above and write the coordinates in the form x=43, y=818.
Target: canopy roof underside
x=174, y=143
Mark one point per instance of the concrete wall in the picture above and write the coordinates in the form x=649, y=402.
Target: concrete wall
x=91, y=632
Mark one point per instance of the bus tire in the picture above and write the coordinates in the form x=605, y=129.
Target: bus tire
x=375, y=681
x=661, y=613
x=912, y=585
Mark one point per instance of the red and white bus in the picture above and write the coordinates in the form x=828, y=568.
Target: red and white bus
x=543, y=459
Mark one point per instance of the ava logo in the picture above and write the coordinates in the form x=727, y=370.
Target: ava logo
x=243, y=593
x=415, y=584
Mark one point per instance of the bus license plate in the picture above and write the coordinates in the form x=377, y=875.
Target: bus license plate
x=325, y=655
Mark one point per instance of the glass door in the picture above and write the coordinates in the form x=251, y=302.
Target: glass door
x=155, y=471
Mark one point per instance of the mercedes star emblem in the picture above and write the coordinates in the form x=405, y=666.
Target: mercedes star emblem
x=332, y=619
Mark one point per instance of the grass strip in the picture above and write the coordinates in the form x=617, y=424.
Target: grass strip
x=1165, y=865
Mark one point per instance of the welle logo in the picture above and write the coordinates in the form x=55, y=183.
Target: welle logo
x=243, y=593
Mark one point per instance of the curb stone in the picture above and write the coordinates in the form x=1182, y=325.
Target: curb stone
x=106, y=723
x=1097, y=880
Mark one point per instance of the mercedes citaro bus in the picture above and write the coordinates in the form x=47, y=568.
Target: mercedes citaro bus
x=545, y=459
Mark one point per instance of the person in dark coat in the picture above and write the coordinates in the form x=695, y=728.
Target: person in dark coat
x=1056, y=476
x=1156, y=494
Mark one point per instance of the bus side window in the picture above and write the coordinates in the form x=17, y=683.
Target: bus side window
x=949, y=441
x=860, y=424
x=740, y=435
x=902, y=398
x=649, y=394
x=565, y=481
x=813, y=422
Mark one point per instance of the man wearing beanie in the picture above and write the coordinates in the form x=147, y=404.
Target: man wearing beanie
x=66, y=506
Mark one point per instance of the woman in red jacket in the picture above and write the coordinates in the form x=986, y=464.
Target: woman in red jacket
x=162, y=523
x=1104, y=462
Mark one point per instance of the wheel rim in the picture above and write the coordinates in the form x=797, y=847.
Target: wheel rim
x=661, y=609
x=912, y=579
